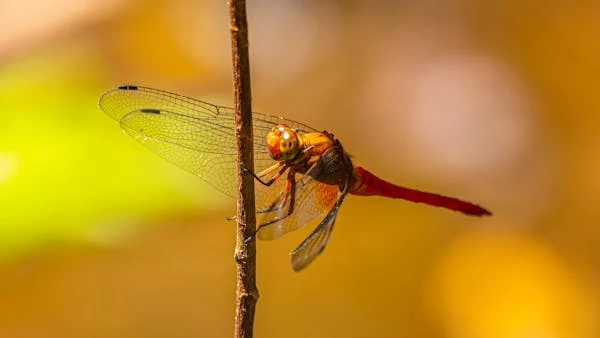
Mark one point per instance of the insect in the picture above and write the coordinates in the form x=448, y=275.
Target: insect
x=304, y=173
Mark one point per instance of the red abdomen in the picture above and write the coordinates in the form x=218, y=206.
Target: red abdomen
x=367, y=184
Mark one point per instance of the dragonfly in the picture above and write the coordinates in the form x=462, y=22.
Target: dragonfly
x=304, y=173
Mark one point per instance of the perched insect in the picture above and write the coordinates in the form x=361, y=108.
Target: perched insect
x=304, y=173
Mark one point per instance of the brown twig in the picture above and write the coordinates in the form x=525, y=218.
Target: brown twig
x=245, y=252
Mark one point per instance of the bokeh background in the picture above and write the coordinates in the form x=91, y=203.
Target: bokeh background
x=492, y=101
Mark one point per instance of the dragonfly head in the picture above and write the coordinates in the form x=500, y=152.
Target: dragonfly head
x=283, y=143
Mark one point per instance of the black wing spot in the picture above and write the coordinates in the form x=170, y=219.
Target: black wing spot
x=128, y=87
x=150, y=111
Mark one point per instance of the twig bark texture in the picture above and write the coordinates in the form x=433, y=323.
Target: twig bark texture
x=245, y=252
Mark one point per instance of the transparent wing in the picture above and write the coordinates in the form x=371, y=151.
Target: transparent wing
x=313, y=200
x=194, y=135
x=315, y=243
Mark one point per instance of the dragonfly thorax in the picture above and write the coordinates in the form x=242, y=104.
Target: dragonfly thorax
x=283, y=143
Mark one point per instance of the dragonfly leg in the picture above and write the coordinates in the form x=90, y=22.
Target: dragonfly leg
x=281, y=164
x=280, y=201
x=267, y=171
x=289, y=191
x=292, y=194
x=271, y=169
x=258, y=176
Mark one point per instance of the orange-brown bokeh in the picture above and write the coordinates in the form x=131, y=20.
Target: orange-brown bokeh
x=492, y=102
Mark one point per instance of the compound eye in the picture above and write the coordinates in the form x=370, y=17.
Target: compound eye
x=283, y=143
x=289, y=144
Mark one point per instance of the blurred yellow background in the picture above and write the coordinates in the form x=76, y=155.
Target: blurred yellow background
x=494, y=102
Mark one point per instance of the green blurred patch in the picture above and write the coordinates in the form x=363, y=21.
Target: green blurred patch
x=67, y=174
